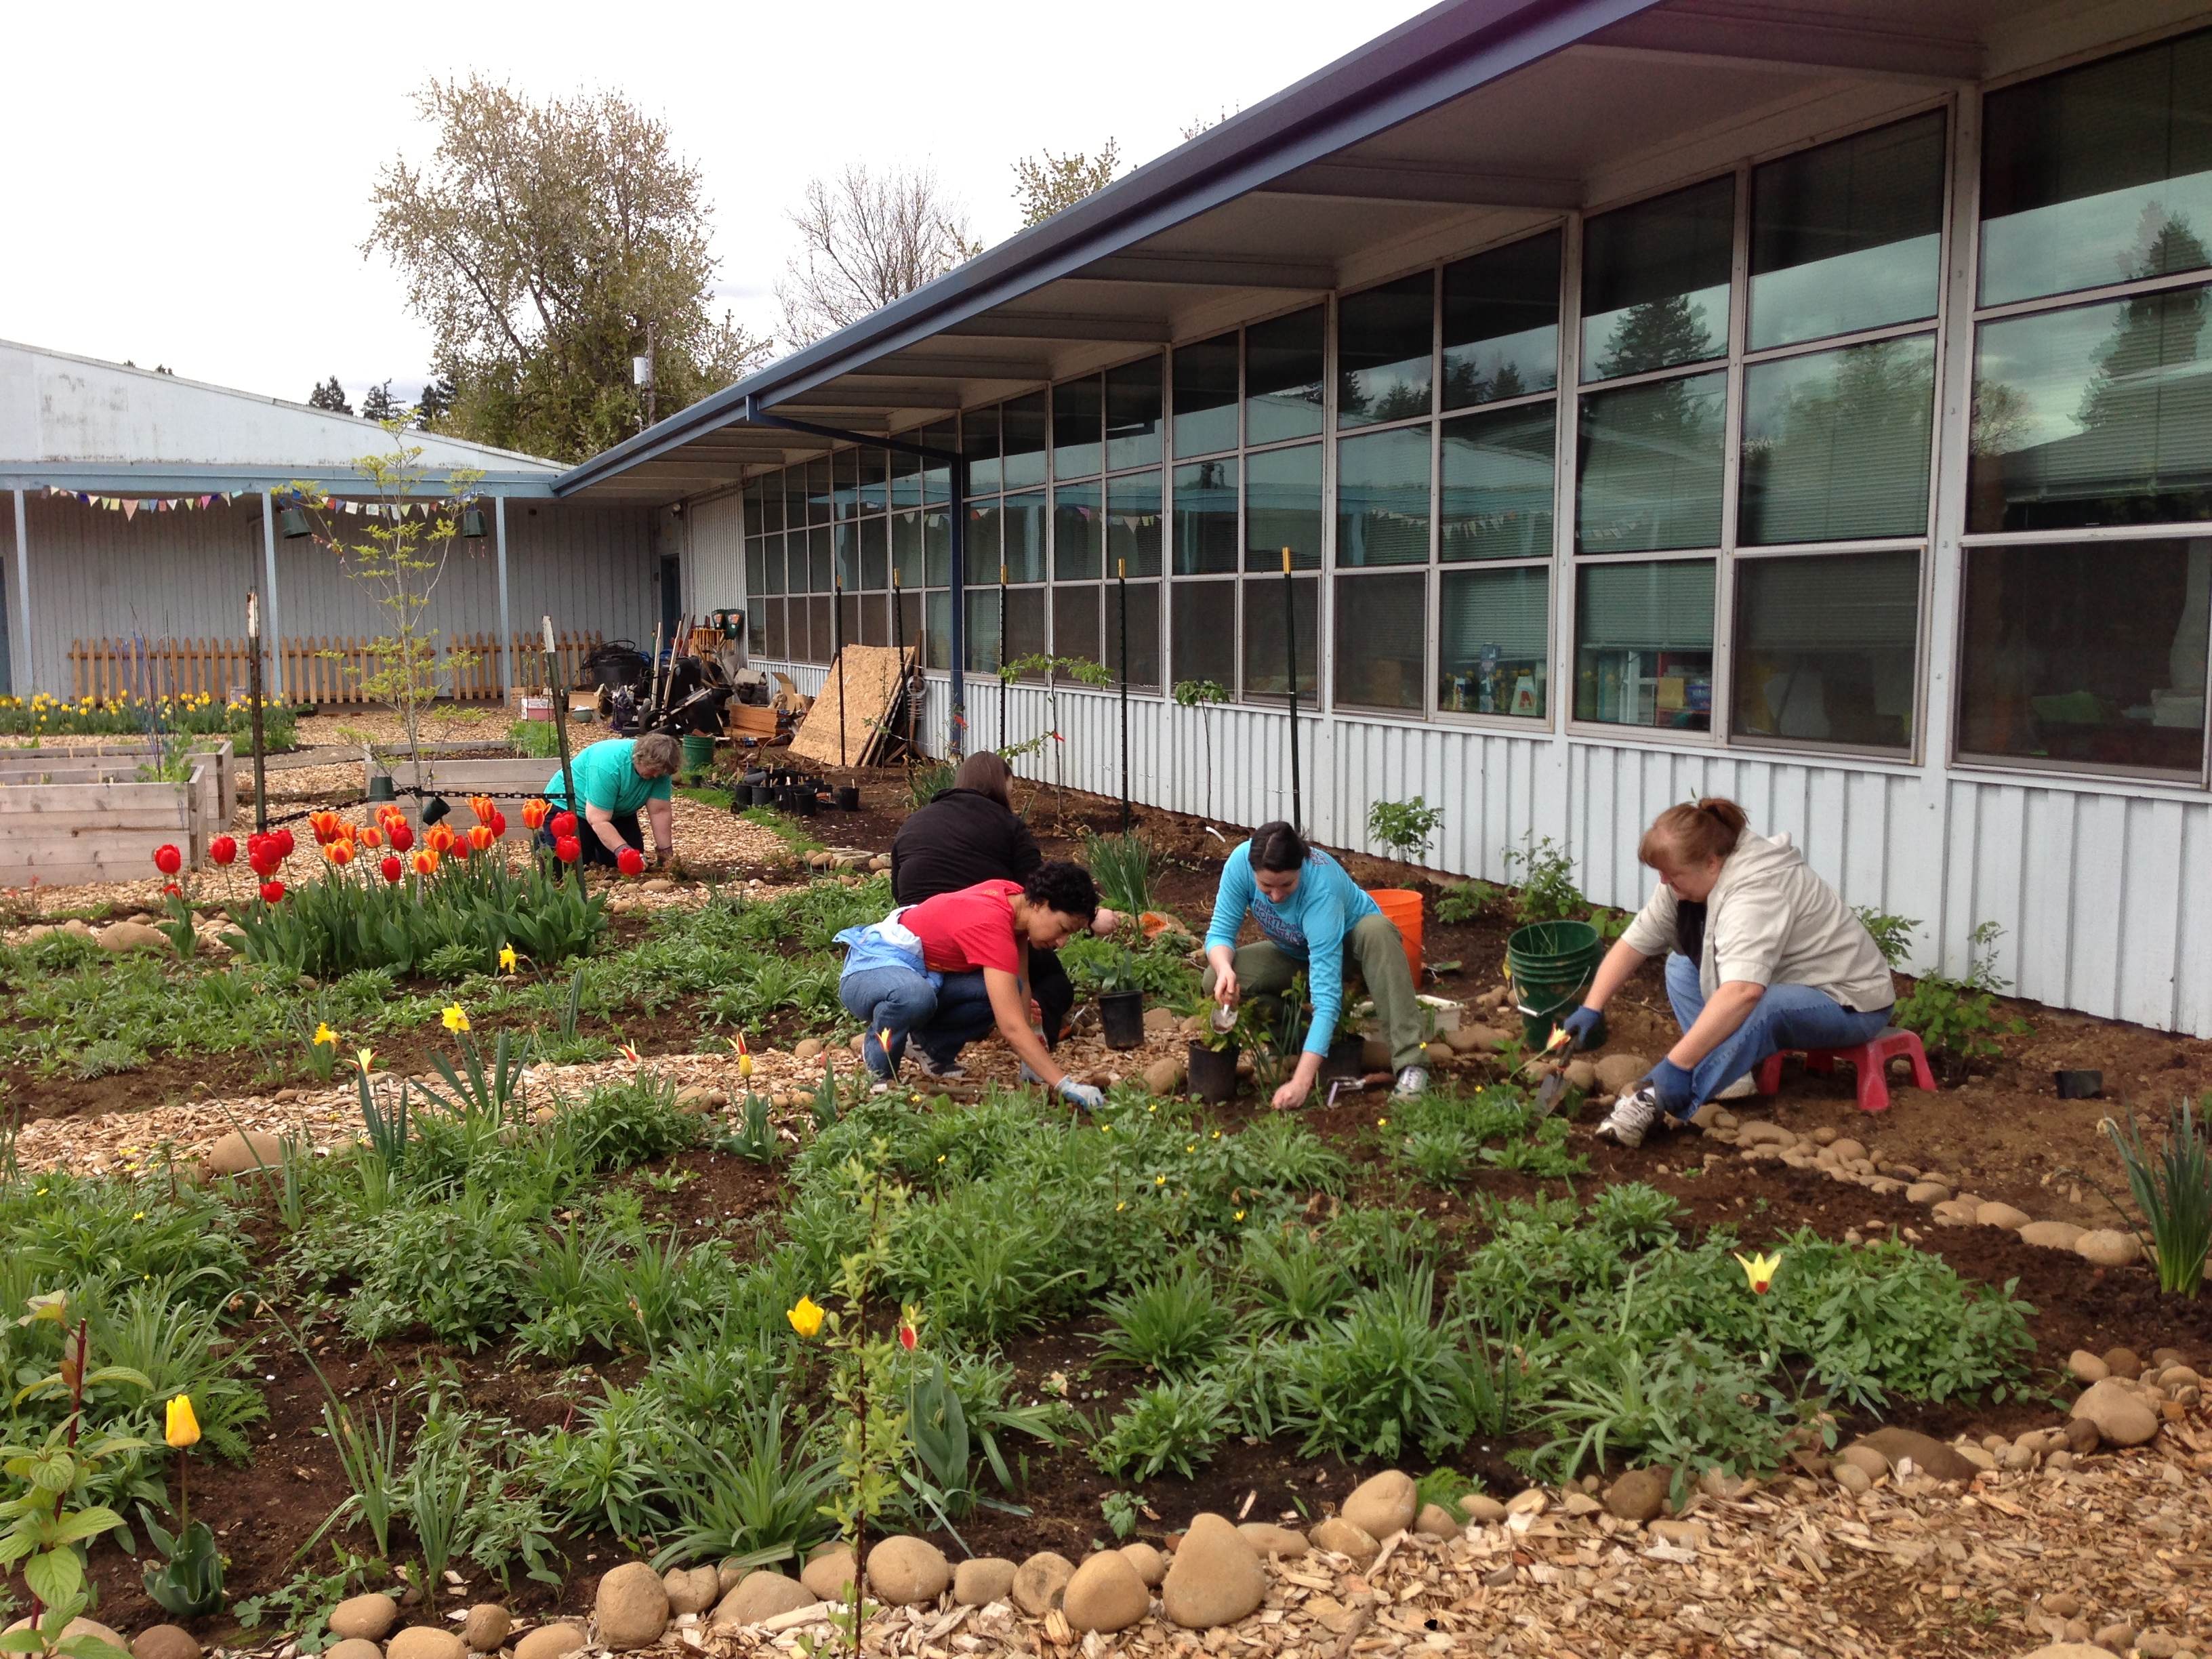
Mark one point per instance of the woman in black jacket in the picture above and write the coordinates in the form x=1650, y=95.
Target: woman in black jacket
x=970, y=833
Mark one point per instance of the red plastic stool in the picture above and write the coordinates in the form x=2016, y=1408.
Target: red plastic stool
x=1868, y=1061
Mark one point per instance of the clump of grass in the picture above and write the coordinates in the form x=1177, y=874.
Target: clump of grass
x=2172, y=1187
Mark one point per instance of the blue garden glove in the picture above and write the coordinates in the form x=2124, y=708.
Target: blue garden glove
x=1581, y=1024
x=1081, y=1096
x=1673, y=1087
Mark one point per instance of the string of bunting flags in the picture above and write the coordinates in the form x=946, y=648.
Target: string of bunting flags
x=130, y=506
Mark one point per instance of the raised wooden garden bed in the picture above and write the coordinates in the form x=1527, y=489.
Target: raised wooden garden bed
x=78, y=811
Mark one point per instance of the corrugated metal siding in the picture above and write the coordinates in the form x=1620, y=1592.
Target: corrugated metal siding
x=96, y=574
x=715, y=553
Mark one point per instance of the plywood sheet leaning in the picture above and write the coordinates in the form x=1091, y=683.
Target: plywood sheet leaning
x=868, y=691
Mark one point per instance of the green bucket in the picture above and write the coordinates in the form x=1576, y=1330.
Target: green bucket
x=698, y=753
x=1551, y=964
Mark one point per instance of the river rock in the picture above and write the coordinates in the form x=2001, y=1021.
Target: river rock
x=1929, y=1455
x=1759, y=1133
x=165, y=1642
x=2106, y=1247
x=555, y=1641
x=1105, y=1595
x=2121, y=1418
x=760, y=1597
x=2052, y=1234
x=484, y=1630
x=807, y=1048
x=352, y=1648
x=1582, y=1075
x=1382, y=1506
x=1164, y=1077
x=1853, y=1479
x=631, y=1607
x=364, y=1618
x=2123, y=1362
x=1994, y=1214
x=131, y=936
x=1040, y=1582
x=1216, y=1578
x=1271, y=1539
x=1928, y=1192
x=1639, y=1495
x=828, y=1573
x=1864, y=1458
x=2087, y=1368
x=695, y=1590
x=1346, y=1538
x=246, y=1151
x=985, y=1579
x=428, y=1642
x=1148, y=1563
x=1482, y=1507
x=1435, y=1521
x=908, y=1571
x=1616, y=1072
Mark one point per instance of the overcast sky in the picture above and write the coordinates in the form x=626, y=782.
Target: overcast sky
x=194, y=181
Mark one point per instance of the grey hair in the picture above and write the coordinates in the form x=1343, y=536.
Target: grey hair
x=657, y=755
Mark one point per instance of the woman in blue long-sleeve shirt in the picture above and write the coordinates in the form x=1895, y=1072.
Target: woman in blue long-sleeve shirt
x=1311, y=914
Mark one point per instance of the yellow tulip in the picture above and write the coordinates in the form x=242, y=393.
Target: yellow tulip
x=805, y=1318
x=183, y=1428
x=456, y=1020
x=362, y=1057
x=324, y=1035
x=1759, y=1270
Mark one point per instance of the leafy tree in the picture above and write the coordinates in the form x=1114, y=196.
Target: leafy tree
x=866, y=238
x=545, y=243
x=331, y=396
x=1045, y=183
x=377, y=403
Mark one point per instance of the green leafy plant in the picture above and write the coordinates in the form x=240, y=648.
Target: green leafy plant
x=1171, y=1324
x=2172, y=1188
x=534, y=739
x=1892, y=935
x=1176, y=1425
x=925, y=780
x=1465, y=902
x=1121, y=1511
x=1406, y=827
x=753, y=1137
x=1122, y=866
x=1546, y=889
x=1958, y=1019
x=1205, y=696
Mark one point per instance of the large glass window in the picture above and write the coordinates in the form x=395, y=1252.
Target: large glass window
x=1385, y=338
x=1142, y=664
x=1024, y=623
x=1655, y=282
x=1381, y=635
x=818, y=491
x=1132, y=525
x=1133, y=414
x=2099, y=174
x=1282, y=507
x=1383, y=498
x=984, y=654
x=1022, y=536
x=1496, y=482
x=2088, y=654
x=1848, y=236
x=1023, y=425
x=1643, y=647
x=1075, y=621
x=1205, y=517
x=1837, y=444
x=1267, y=641
x=1501, y=323
x=2094, y=415
x=1651, y=465
x=984, y=549
x=1078, y=533
x=876, y=478
x=906, y=549
x=1825, y=648
x=1283, y=377
x=1078, y=414
x=1206, y=632
x=1205, y=393
x=1494, y=654
x=979, y=442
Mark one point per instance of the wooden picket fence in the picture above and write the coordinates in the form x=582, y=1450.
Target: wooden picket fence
x=319, y=669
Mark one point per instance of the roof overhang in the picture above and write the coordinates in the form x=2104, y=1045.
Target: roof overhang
x=177, y=478
x=1475, y=122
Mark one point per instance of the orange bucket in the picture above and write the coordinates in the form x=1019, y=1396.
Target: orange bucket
x=1402, y=905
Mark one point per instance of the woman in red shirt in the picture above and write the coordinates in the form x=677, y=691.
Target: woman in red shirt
x=978, y=939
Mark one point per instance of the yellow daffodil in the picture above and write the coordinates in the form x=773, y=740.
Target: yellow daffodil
x=507, y=959
x=456, y=1020
x=1759, y=1270
x=325, y=1037
x=805, y=1318
x=182, y=1429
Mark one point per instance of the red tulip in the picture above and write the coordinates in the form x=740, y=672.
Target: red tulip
x=284, y=842
x=402, y=836
x=564, y=824
x=172, y=891
x=266, y=860
x=498, y=821
x=167, y=859
x=339, y=852
x=906, y=1336
x=222, y=849
x=459, y=851
x=391, y=868
x=631, y=861
x=271, y=891
x=567, y=848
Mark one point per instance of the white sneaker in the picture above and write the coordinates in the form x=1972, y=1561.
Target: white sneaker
x=1742, y=1089
x=1413, y=1080
x=1630, y=1119
x=929, y=1067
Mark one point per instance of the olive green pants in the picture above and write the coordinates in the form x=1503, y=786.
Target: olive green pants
x=1375, y=949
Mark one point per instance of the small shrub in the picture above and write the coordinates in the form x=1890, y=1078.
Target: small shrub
x=1406, y=827
x=1545, y=884
x=1296, y=1283
x=622, y=1125
x=1892, y=935
x=534, y=739
x=1171, y=1425
x=1464, y=902
x=1957, y=1018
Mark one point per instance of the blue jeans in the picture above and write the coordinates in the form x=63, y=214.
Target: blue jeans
x=1787, y=1017
x=943, y=1022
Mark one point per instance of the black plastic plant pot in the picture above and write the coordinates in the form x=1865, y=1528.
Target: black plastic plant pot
x=1345, y=1059
x=802, y=801
x=379, y=787
x=1212, y=1073
x=1121, y=1017
x=848, y=798
x=2079, y=1085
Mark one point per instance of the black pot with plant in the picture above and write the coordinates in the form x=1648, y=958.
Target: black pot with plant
x=1213, y=1057
x=1120, y=1002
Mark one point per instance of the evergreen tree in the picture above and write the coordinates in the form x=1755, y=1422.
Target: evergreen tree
x=431, y=407
x=331, y=396
x=377, y=403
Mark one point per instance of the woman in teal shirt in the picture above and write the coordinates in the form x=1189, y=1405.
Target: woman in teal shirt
x=618, y=778
x=1308, y=911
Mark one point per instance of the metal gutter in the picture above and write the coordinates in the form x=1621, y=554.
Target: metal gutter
x=1445, y=52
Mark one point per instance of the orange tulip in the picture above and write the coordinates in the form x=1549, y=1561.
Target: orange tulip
x=534, y=812
x=327, y=826
x=426, y=862
x=482, y=837
x=439, y=838
x=483, y=806
x=369, y=835
x=339, y=852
